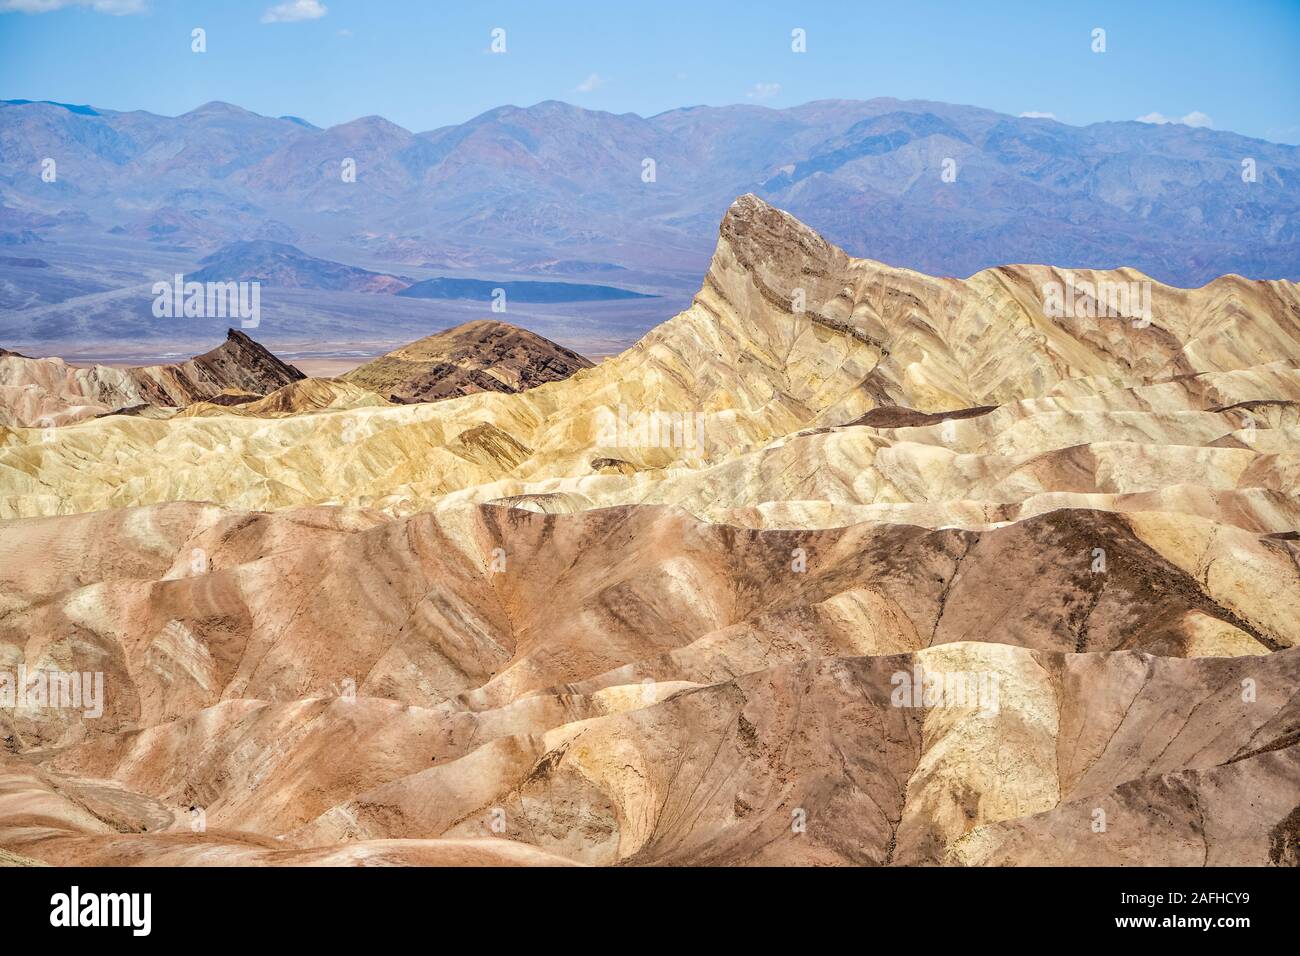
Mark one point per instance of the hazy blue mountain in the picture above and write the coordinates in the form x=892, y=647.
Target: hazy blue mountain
x=566, y=192
x=285, y=266
x=72, y=108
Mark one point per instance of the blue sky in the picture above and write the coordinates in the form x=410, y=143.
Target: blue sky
x=425, y=64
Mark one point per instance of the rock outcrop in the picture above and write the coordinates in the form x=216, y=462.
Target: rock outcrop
x=48, y=392
x=479, y=356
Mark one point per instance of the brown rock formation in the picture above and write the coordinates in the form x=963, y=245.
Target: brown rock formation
x=49, y=392
x=479, y=356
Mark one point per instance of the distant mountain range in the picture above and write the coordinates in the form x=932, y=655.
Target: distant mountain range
x=280, y=264
x=566, y=192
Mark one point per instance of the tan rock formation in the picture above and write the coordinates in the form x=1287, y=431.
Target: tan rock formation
x=714, y=399
x=48, y=392
x=945, y=581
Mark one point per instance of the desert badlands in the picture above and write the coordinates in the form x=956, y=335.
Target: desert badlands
x=844, y=564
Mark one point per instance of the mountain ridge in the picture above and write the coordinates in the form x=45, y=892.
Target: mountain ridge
x=527, y=180
x=787, y=341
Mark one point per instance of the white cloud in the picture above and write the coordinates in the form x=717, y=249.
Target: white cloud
x=1194, y=118
x=1033, y=115
x=763, y=91
x=593, y=81
x=295, y=11
x=118, y=8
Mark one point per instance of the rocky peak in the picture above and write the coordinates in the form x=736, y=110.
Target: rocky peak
x=479, y=356
x=760, y=233
x=240, y=362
